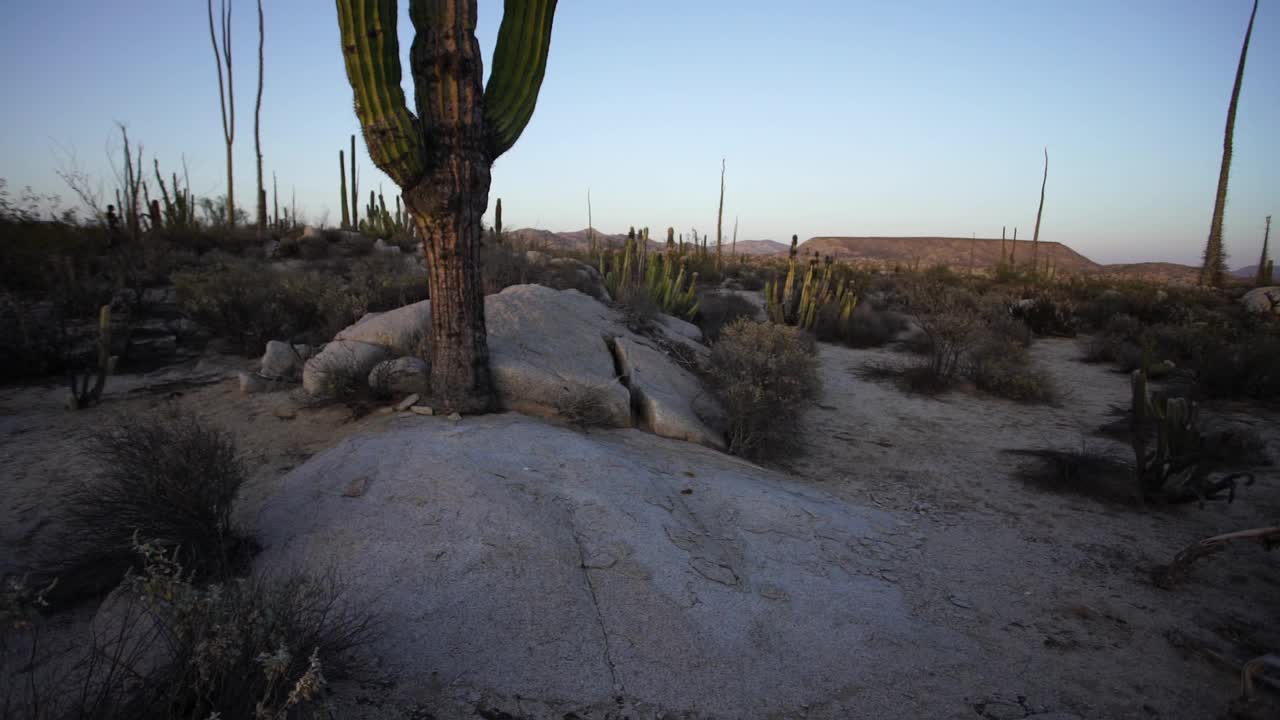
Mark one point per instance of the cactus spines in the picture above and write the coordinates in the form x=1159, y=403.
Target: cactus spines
x=442, y=156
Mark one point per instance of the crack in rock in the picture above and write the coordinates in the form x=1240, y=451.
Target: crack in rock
x=585, y=563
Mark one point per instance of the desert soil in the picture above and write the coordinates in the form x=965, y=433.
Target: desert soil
x=1055, y=589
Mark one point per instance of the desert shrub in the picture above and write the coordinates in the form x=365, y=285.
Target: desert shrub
x=1239, y=368
x=949, y=319
x=584, y=407
x=168, y=479
x=717, y=310
x=1004, y=368
x=871, y=327
x=385, y=282
x=1047, y=316
x=250, y=304
x=504, y=266
x=1119, y=341
x=1087, y=470
x=764, y=375
x=244, y=648
x=639, y=305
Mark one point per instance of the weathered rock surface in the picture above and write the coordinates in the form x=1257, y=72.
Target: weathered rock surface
x=545, y=348
x=340, y=362
x=671, y=401
x=402, y=330
x=576, y=570
x=283, y=361
x=1262, y=300
x=546, y=344
x=407, y=374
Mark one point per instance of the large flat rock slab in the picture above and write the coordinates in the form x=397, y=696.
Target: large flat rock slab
x=539, y=567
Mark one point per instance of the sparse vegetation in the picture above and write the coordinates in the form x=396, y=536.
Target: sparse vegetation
x=167, y=479
x=764, y=374
x=169, y=647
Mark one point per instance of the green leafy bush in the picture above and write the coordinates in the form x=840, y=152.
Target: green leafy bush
x=764, y=375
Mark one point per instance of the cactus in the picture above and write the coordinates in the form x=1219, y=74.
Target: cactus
x=355, y=188
x=798, y=301
x=661, y=275
x=1175, y=470
x=497, y=220
x=179, y=209
x=442, y=156
x=342, y=183
x=82, y=394
x=1264, y=263
x=1213, y=272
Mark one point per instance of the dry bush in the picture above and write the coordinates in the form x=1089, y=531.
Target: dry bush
x=1047, y=316
x=251, y=304
x=1087, y=471
x=717, y=310
x=504, y=266
x=764, y=374
x=639, y=306
x=1004, y=368
x=871, y=327
x=168, y=479
x=244, y=648
x=950, y=320
x=584, y=407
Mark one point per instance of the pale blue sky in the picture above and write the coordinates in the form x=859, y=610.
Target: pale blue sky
x=842, y=117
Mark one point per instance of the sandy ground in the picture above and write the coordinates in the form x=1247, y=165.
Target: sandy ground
x=1054, y=588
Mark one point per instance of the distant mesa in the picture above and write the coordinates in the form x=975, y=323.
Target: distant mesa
x=958, y=253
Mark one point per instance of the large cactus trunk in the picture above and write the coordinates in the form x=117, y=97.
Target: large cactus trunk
x=441, y=157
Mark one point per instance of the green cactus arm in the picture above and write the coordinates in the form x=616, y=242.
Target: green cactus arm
x=519, y=62
x=371, y=51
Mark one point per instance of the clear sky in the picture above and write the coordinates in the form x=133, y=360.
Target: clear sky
x=836, y=117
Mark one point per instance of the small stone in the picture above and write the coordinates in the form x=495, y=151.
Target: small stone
x=356, y=487
x=408, y=402
x=251, y=383
x=285, y=413
x=422, y=410
x=455, y=417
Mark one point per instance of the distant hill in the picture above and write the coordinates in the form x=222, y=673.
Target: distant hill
x=578, y=240
x=1247, y=272
x=888, y=252
x=761, y=247
x=955, y=252
x=1162, y=271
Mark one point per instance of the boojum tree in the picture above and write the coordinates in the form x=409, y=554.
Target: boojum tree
x=441, y=156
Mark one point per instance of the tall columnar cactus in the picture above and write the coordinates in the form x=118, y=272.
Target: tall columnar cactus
x=441, y=156
x=1264, y=263
x=355, y=188
x=497, y=220
x=1213, y=272
x=342, y=180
